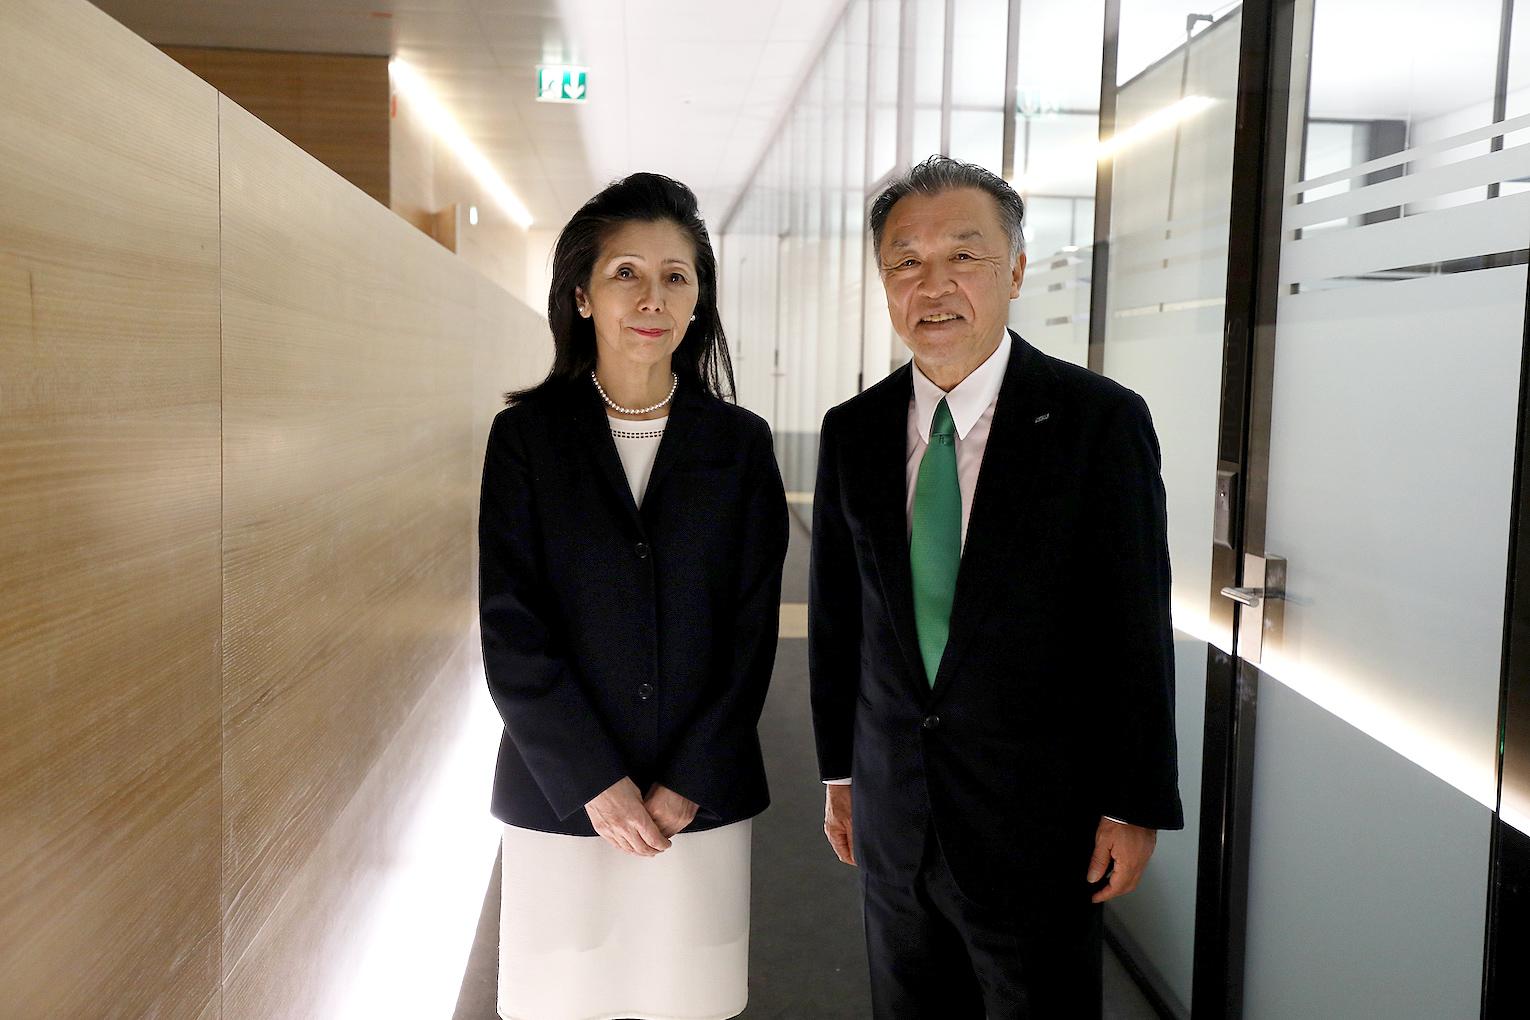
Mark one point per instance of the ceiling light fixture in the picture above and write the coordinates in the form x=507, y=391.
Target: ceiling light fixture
x=408, y=81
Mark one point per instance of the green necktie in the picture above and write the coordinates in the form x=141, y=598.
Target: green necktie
x=935, y=545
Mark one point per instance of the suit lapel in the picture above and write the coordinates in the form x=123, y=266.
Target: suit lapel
x=679, y=431
x=885, y=466
x=1017, y=457
x=590, y=417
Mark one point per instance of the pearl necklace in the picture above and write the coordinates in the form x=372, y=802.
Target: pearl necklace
x=619, y=409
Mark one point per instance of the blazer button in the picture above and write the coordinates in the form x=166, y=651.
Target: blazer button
x=645, y=691
x=930, y=722
x=642, y=550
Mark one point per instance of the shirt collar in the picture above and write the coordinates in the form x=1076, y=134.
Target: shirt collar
x=968, y=399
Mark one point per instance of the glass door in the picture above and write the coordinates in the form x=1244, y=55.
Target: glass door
x=1383, y=427
x=1168, y=106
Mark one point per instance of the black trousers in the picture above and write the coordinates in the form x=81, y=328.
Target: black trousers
x=936, y=955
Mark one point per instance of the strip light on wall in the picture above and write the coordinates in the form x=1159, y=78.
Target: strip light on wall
x=1469, y=769
x=408, y=81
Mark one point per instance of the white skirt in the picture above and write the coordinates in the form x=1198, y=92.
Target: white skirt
x=587, y=932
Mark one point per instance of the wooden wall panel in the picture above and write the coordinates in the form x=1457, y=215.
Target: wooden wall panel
x=350, y=502
x=238, y=489
x=109, y=523
x=302, y=958
x=334, y=107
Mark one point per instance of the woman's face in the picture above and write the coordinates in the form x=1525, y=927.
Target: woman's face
x=642, y=292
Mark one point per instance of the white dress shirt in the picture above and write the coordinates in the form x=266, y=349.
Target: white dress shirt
x=971, y=402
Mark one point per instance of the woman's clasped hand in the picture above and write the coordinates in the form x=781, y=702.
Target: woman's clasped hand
x=636, y=824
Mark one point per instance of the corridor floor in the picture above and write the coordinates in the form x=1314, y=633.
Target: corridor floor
x=807, y=960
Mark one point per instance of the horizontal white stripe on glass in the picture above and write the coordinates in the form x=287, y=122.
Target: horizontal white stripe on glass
x=1410, y=155
x=1458, y=232
x=1433, y=182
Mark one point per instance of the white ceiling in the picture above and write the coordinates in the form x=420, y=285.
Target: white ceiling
x=689, y=88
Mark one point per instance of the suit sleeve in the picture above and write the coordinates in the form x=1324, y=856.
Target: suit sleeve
x=834, y=616
x=546, y=712
x=1140, y=773
x=714, y=744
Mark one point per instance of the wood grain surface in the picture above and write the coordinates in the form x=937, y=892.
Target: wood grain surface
x=109, y=523
x=362, y=364
x=332, y=106
x=242, y=417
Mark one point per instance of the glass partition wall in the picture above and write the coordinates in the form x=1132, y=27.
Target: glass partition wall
x=1309, y=257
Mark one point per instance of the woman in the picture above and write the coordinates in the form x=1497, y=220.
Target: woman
x=632, y=532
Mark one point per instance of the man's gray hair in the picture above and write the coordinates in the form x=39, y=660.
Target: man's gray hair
x=937, y=174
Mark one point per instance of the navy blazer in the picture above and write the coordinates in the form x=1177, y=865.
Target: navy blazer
x=1054, y=702
x=620, y=642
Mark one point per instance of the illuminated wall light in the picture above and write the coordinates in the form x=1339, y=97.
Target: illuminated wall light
x=1469, y=770
x=408, y=81
x=472, y=216
x=409, y=949
x=1466, y=769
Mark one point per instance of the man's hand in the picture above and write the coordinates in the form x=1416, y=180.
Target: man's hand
x=1129, y=846
x=621, y=819
x=836, y=821
x=670, y=811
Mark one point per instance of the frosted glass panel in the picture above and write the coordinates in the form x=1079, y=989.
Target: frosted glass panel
x=1168, y=280
x=1053, y=310
x=1160, y=914
x=1399, y=327
x=1166, y=283
x=1056, y=141
x=1367, y=884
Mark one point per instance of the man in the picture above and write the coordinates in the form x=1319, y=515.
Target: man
x=989, y=639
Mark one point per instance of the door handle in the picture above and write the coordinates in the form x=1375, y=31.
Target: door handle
x=1262, y=599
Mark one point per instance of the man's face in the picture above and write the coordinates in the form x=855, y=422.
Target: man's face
x=949, y=280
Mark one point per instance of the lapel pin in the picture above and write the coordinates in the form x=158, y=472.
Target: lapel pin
x=1043, y=418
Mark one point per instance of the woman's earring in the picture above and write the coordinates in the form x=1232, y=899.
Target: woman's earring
x=693, y=318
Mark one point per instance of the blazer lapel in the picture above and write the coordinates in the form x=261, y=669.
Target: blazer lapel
x=886, y=485
x=590, y=417
x=1017, y=457
x=679, y=430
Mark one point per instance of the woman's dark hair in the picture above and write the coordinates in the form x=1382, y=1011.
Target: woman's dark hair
x=702, y=357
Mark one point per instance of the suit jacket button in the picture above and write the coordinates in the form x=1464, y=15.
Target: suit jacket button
x=645, y=691
x=930, y=722
x=642, y=550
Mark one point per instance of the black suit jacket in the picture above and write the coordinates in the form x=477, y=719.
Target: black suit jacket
x=620, y=642
x=1054, y=700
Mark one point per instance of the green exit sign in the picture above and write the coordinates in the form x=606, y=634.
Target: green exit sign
x=559, y=83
